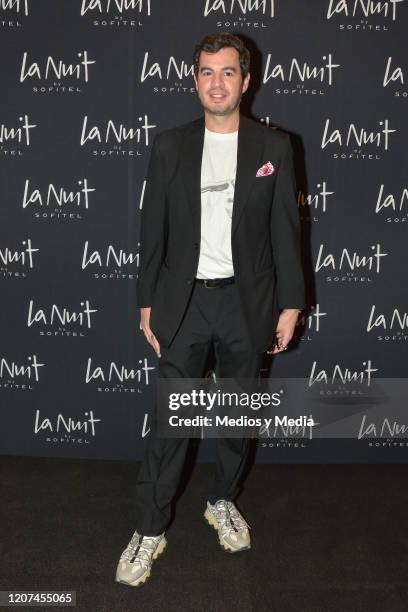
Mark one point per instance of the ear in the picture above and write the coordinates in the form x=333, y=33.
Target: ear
x=245, y=82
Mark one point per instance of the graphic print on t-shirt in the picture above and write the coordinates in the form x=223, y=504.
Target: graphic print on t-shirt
x=228, y=196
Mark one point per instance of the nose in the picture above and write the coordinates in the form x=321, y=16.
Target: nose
x=217, y=81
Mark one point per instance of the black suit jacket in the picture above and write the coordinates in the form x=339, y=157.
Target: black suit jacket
x=265, y=233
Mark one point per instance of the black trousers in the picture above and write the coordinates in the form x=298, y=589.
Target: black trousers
x=213, y=320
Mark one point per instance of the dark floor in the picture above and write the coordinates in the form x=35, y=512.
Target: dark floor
x=325, y=537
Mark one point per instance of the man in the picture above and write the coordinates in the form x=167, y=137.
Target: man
x=219, y=268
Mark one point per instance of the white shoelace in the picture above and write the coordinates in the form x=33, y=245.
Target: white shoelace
x=224, y=512
x=147, y=546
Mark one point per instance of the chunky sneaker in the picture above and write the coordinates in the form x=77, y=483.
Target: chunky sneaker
x=233, y=530
x=137, y=558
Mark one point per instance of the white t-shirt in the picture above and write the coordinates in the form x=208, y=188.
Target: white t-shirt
x=219, y=164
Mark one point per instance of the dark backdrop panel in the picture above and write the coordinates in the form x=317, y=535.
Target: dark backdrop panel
x=86, y=85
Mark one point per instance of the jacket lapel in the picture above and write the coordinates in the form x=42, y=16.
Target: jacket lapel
x=249, y=159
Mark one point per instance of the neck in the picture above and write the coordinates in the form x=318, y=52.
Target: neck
x=222, y=124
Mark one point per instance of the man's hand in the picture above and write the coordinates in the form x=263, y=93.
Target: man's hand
x=284, y=330
x=145, y=325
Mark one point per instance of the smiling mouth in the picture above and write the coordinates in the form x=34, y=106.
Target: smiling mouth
x=217, y=97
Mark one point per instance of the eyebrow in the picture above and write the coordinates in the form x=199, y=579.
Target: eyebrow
x=223, y=68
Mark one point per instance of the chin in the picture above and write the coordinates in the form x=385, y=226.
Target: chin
x=219, y=113
x=218, y=110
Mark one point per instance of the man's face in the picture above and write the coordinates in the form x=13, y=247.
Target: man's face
x=219, y=81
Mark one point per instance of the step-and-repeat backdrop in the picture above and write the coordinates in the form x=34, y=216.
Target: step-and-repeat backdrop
x=85, y=86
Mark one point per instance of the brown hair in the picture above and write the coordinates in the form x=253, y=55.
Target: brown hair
x=212, y=44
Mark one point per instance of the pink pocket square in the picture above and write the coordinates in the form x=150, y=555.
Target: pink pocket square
x=266, y=169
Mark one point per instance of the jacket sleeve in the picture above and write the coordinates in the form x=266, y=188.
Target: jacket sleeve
x=152, y=228
x=285, y=234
